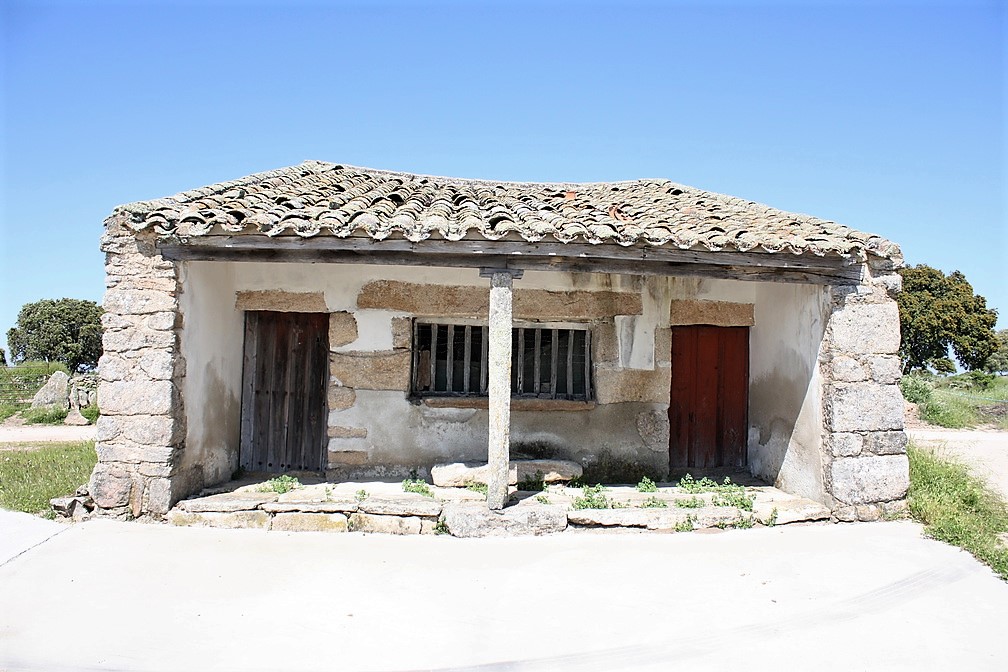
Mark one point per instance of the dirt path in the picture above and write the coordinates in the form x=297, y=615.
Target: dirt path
x=985, y=451
x=20, y=436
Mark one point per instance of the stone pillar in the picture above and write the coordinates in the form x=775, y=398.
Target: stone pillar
x=866, y=468
x=141, y=430
x=499, y=385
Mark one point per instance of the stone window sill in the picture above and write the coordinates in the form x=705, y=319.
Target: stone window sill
x=516, y=404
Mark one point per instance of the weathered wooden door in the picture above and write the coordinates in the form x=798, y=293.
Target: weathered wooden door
x=709, y=400
x=283, y=424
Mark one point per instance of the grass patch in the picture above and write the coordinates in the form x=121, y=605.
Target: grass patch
x=30, y=478
x=959, y=401
x=958, y=508
x=481, y=488
x=44, y=415
x=7, y=410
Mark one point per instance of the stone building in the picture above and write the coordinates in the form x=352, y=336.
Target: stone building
x=367, y=323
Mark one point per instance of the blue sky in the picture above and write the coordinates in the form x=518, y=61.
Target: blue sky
x=885, y=116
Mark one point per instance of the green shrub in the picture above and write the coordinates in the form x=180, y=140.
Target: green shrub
x=916, y=390
x=691, y=503
x=91, y=413
x=980, y=380
x=653, y=502
x=44, y=415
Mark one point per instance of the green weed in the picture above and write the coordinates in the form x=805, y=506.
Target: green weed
x=481, y=488
x=532, y=483
x=685, y=525
x=44, y=415
x=361, y=495
x=417, y=485
x=592, y=497
x=646, y=485
x=691, y=503
x=280, y=484
x=542, y=499
x=654, y=503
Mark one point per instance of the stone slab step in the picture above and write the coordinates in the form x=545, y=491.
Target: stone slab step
x=476, y=520
x=461, y=474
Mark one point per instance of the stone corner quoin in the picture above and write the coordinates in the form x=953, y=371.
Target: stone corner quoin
x=864, y=447
x=142, y=430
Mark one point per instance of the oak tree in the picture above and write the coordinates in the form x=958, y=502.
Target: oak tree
x=58, y=330
x=939, y=311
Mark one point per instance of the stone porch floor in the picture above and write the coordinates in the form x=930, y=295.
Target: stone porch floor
x=382, y=507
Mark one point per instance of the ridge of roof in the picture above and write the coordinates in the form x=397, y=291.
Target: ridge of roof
x=313, y=197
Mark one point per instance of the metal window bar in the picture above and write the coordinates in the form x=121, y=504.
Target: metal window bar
x=467, y=359
x=571, y=347
x=433, y=358
x=450, y=360
x=554, y=355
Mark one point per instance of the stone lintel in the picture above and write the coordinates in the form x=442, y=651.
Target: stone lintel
x=470, y=301
x=716, y=313
x=280, y=301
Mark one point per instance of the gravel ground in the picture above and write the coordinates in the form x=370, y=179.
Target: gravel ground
x=22, y=436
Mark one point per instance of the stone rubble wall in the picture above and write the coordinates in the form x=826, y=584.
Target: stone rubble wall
x=864, y=446
x=141, y=431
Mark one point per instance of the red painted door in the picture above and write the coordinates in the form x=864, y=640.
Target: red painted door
x=709, y=399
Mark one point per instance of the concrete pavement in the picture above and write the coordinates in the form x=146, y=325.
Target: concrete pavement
x=126, y=596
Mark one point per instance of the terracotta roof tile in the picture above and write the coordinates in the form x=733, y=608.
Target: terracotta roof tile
x=318, y=198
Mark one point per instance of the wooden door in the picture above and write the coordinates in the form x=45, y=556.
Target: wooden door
x=709, y=399
x=284, y=379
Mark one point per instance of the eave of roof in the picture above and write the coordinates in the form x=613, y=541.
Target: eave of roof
x=318, y=198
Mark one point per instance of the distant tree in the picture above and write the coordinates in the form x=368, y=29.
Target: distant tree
x=938, y=312
x=998, y=362
x=3, y=357
x=58, y=330
x=943, y=365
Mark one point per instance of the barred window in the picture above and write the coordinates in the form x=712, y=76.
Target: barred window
x=546, y=363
